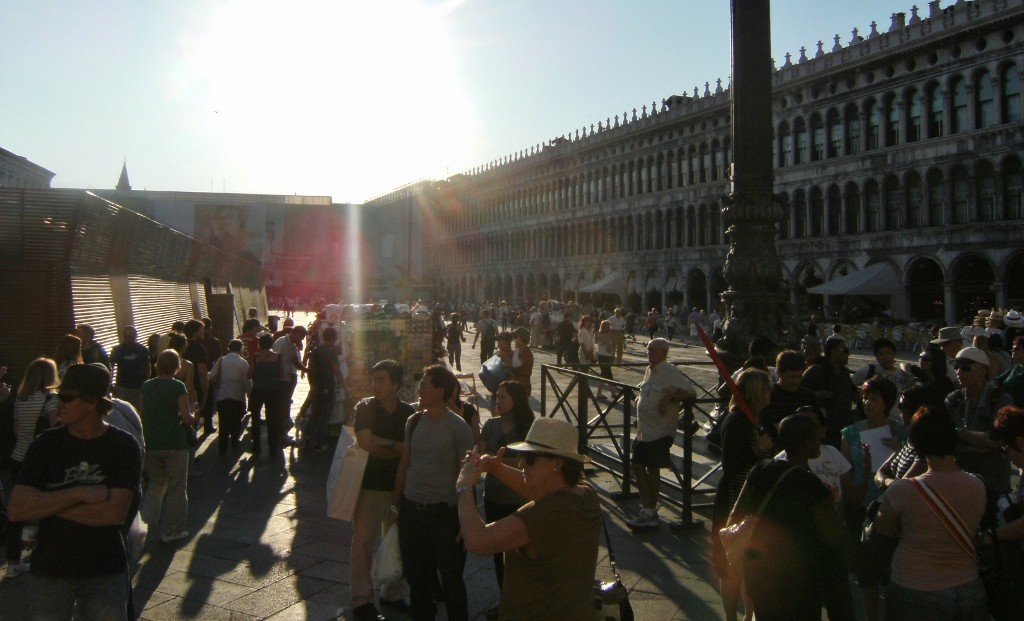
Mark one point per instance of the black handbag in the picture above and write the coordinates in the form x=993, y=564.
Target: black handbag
x=612, y=598
x=43, y=420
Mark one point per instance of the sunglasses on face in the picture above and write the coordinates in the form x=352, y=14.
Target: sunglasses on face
x=531, y=458
x=67, y=397
x=926, y=358
x=967, y=367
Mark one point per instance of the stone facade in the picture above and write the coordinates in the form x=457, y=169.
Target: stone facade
x=18, y=172
x=903, y=147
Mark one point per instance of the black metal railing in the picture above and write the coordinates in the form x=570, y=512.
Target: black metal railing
x=608, y=440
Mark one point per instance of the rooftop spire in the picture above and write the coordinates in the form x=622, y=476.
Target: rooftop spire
x=123, y=183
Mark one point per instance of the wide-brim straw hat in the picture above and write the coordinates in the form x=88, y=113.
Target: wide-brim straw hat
x=552, y=437
x=1013, y=319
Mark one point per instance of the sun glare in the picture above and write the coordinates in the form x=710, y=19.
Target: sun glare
x=318, y=96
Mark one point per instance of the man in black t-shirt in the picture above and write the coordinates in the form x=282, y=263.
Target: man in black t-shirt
x=380, y=430
x=787, y=395
x=195, y=352
x=78, y=481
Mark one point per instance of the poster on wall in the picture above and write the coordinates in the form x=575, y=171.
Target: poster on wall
x=232, y=228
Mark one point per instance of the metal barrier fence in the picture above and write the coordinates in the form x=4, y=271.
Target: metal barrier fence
x=569, y=387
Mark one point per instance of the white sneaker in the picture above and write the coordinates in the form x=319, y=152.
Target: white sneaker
x=647, y=518
x=174, y=537
x=16, y=569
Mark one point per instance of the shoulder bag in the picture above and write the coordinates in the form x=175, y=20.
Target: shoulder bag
x=1003, y=596
x=611, y=599
x=736, y=539
x=43, y=420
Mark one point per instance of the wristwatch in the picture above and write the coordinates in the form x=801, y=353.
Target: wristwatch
x=464, y=488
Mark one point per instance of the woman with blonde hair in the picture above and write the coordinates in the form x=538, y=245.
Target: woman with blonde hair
x=605, y=354
x=744, y=443
x=69, y=352
x=165, y=412
x=35, y=399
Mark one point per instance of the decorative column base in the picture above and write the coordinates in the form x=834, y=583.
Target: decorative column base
x=756, y=302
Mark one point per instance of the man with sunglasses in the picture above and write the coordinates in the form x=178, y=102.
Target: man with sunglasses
x=973, y=407
x=78, y=481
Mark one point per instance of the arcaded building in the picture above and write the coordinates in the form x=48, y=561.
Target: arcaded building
x=897, y=150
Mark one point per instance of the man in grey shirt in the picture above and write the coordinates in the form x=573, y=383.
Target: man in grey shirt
x=436, y=440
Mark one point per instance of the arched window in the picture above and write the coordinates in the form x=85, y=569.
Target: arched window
x=874, y=124
x=959, y=90
x=800, y=138
x=893, y=204
x=961, y=196
x=1009, y=96
x=714, y=224
x=852, y=209
x=817, y=138
x=785, y=147
x=783, y=226
x=702, y=226
x=799, y=215
x=985, y=187
x=913, y=103
x=835, y=134
x=936, y=199
x=1013, y=189
x=817, y=212
x=694, y=165
x=705, y=162
x=915, y=201
x=853, y=134
x=936, y=112
x=873, y=204
x=892, y=121
x=835, y=210
x=691, y=227
x=718, y=162
x=983, y=101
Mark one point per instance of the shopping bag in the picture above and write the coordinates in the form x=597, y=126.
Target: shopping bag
x=387, y=561
x=345, y=477
x=492, y=374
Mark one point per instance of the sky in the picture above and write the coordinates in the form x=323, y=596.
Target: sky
x=352, y=99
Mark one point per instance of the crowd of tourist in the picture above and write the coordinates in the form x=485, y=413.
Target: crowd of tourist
x=819, y=452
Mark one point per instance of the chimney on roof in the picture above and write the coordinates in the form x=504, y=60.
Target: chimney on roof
x=122, y=183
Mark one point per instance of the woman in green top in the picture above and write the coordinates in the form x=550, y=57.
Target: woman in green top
x=165, y=408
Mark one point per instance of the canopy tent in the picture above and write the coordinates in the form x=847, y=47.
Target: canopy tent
x=612, y=283
x=876, y=279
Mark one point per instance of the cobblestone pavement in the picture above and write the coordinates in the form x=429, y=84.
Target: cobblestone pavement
x=262, y=547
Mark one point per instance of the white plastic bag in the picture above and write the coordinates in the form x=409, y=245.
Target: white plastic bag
x=387, y=561
x=345, y=478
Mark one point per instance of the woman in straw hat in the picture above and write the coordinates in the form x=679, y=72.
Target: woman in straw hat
x=550, y=543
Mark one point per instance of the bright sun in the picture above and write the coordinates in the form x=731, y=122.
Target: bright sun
x=313, y=92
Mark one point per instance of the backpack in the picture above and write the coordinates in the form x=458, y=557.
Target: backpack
x=453, y=332
x=490, y=332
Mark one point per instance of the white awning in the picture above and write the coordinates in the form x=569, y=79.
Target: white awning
x=876, y=279
x=612, y=283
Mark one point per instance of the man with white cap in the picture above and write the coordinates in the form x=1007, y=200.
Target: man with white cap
x=973, y=408
x=950, y=340
x=657, y=411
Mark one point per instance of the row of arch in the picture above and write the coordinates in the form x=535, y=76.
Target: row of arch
x=914, y=199
x=692, y=226
x=981, y=99
x=936, y=196
x=703, y=162
x=933, y=288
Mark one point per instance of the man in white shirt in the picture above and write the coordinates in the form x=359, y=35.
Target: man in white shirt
x=618, y=323
x=291, y=363
x=657, y=412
